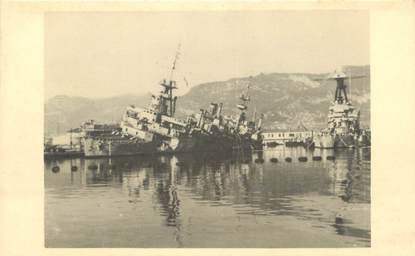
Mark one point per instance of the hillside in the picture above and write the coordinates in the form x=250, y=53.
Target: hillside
x=65, y=112
x=286, y=100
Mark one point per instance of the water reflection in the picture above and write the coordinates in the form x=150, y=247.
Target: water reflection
x=351, y=175
x=328, y=195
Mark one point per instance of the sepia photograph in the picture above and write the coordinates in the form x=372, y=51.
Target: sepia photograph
x=233, y=129
x=269, y=128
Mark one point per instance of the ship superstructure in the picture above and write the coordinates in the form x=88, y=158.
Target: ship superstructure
x=155, y=129
x=107, y=140
x=247, y=131
x=234, y=132
x=205, y=131
x=157, y=123
x=343, y=122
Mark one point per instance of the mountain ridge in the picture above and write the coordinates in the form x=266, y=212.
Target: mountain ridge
x=285, y=99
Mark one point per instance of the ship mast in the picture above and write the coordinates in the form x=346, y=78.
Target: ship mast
x=176, y=58
x=244, y=99
x=170, y=85
x=340, y=94
x=350, y=85
x=243, y=106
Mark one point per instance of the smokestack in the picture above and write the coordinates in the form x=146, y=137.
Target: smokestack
x=260, y=122
x=219, y=111
x=201, y=119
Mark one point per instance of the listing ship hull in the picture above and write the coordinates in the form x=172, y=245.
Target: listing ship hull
x=177, y=144
x=213, y=143
x=155, y=129
x=247, y=144
x=199, y=143
x=97, y=147
x=56, y=151
x=48, y=155
x=94, y=147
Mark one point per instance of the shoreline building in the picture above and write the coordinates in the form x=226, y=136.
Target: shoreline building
x=280, y=136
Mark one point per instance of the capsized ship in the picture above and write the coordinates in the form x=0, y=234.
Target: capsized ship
x=248, y=133
x=228, y=132
x=145, y=131
x=343, y=124
x=209, y=130
x=157, y=123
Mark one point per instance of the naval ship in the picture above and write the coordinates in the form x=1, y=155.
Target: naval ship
x=209, y=130
x=157, y=123
x=343, y=123
x=155, y=129
x=248, y=133
x=229, y=132
x=100, y=140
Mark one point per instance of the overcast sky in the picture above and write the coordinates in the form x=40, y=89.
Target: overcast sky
x=106, y=54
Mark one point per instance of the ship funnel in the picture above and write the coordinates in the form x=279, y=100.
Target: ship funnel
x=260, y=122
x=219, y=111
x=213, y=108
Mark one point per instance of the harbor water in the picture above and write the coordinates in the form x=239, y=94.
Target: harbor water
x=205, y=200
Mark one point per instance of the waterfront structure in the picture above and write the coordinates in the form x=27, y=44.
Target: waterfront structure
x=287, y=137
x=284, y=136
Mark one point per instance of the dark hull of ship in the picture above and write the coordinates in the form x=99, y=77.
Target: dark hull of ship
x=204, y=143
x=211, y=143
x=247, y=144
x=96, y=147
x=71, y=154
x=328, y=141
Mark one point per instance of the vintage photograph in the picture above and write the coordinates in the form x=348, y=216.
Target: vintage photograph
x=207, y=129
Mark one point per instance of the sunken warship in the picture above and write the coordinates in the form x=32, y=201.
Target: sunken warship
x=155, y=129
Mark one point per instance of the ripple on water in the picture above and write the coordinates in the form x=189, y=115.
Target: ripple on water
x=198, y=204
